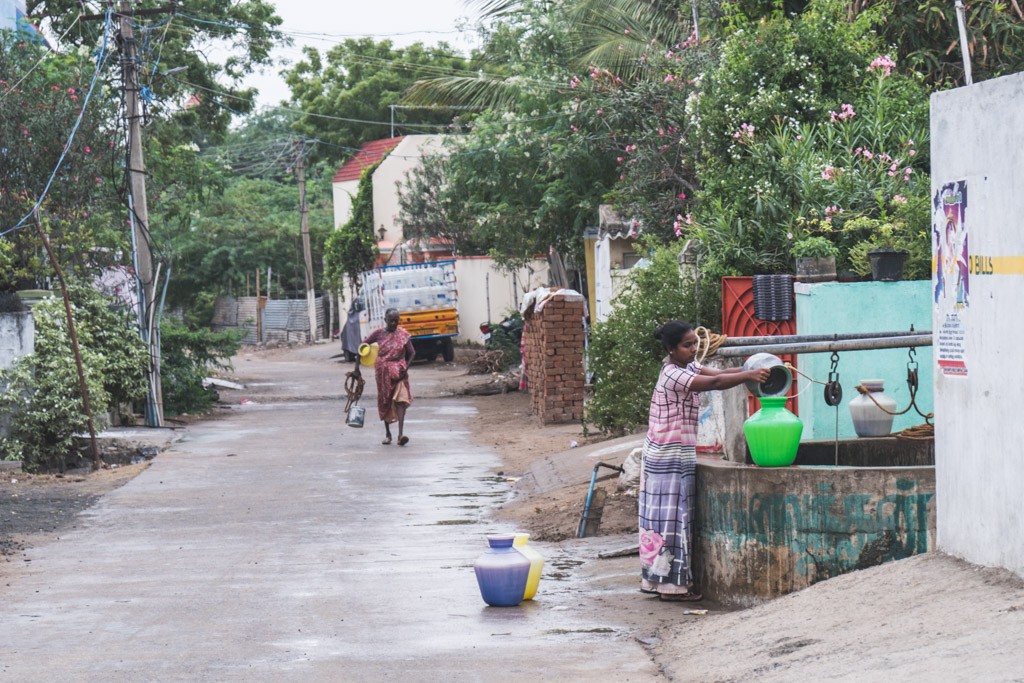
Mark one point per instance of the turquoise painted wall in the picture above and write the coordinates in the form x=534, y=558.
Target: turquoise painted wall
x=846, y=307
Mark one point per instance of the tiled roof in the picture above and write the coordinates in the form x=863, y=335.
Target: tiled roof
x=369, y=154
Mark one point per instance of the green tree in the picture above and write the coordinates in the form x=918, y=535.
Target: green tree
x=245, y=29
x=41, y=96
x=356, y=83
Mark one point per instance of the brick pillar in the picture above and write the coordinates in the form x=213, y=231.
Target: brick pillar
x=554, y=359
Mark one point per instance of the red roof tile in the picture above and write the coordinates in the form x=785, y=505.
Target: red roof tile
x=369, y=154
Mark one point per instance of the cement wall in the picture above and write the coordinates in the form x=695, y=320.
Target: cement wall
x=766, y=532
x=483, y=285
x=848, y=307
x=17, y=337
x=393, y=170
x=977, y=133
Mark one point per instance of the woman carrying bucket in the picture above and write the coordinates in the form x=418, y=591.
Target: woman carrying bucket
x=668, y=475
x=391, y=371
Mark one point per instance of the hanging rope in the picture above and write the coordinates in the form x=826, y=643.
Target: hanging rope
x=708, y=343
x=353, y=389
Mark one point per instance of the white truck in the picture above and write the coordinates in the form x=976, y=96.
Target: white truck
x=426, y=297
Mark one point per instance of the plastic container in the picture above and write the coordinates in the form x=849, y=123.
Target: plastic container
x=778, y=382
x=773, y=433
x=868, y=418
x=521, y=543
x=502, y=572
x=368, y=354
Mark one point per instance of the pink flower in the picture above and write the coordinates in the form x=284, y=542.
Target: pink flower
x=868, y=155
x=789, y=235
x=912, y=152
x=892, y=173
x=745, y=133
x=87, y=149
x=899, y=199
x=846, y=112
x=830, y=173
x=618, y=159
x=882, y=63
x=799, y=137
x=682, y=195
x=669, y=78
x=71, y=91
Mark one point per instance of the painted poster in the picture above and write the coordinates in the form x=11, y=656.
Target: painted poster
x=951, y=277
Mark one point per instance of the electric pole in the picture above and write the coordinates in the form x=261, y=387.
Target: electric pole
x=307, y=254
x=139, y=211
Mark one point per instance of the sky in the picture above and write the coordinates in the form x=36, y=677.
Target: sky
x=323, y=24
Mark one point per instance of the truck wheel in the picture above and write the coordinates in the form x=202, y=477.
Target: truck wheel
x=447, y=350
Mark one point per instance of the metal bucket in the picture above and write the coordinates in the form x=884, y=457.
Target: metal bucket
x=778, y=381
x=356, y=415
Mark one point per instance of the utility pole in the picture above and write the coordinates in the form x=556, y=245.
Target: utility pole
x=307, y=253
x=139, y=211
x=137, y=206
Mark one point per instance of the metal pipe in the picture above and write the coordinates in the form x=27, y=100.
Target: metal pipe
x=798, y=338
x=829, y=346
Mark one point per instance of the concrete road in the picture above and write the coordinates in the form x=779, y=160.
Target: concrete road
x=277, y=544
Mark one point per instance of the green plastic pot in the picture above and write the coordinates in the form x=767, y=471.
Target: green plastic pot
x=773, y=433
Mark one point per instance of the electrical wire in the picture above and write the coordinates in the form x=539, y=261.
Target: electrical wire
x=74, y=130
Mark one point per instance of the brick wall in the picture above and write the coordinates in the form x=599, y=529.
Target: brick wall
x=554, y=359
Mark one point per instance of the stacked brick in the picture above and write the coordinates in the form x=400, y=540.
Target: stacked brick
x=554, y=358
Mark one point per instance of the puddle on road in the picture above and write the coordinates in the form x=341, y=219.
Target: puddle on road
x=568, y=631
x=467, y=495
x=452, y=522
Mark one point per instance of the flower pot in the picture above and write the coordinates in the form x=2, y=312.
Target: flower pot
x=816, y=269
x=773, y=433
x=887, y=264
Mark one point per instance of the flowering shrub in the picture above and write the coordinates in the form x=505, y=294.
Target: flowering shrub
x=858, y=158
x=42, y=397
x=38, y=109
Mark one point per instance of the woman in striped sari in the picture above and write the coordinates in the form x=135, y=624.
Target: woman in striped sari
x=668, y=476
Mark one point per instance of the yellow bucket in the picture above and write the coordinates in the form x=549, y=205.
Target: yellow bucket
x=367, y=354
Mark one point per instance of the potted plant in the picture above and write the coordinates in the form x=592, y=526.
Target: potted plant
x=815, y=259
x=887, y=248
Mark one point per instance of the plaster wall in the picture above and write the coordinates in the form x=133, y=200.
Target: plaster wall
x=393, y=170
x=849, y=307
x=344, y=193
x=977, y=133
x=766, y=532
x=483, y=285
x=17, y=337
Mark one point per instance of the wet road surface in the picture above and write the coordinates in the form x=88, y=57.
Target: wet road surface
x=276, y=544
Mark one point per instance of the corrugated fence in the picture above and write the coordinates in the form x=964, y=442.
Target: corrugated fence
x=281, y=320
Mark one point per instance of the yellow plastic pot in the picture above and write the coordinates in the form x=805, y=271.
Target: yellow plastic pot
x=367, y=354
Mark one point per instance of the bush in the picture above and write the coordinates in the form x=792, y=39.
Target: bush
x=43, y=400
x=187, y=357
x=625, y=358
